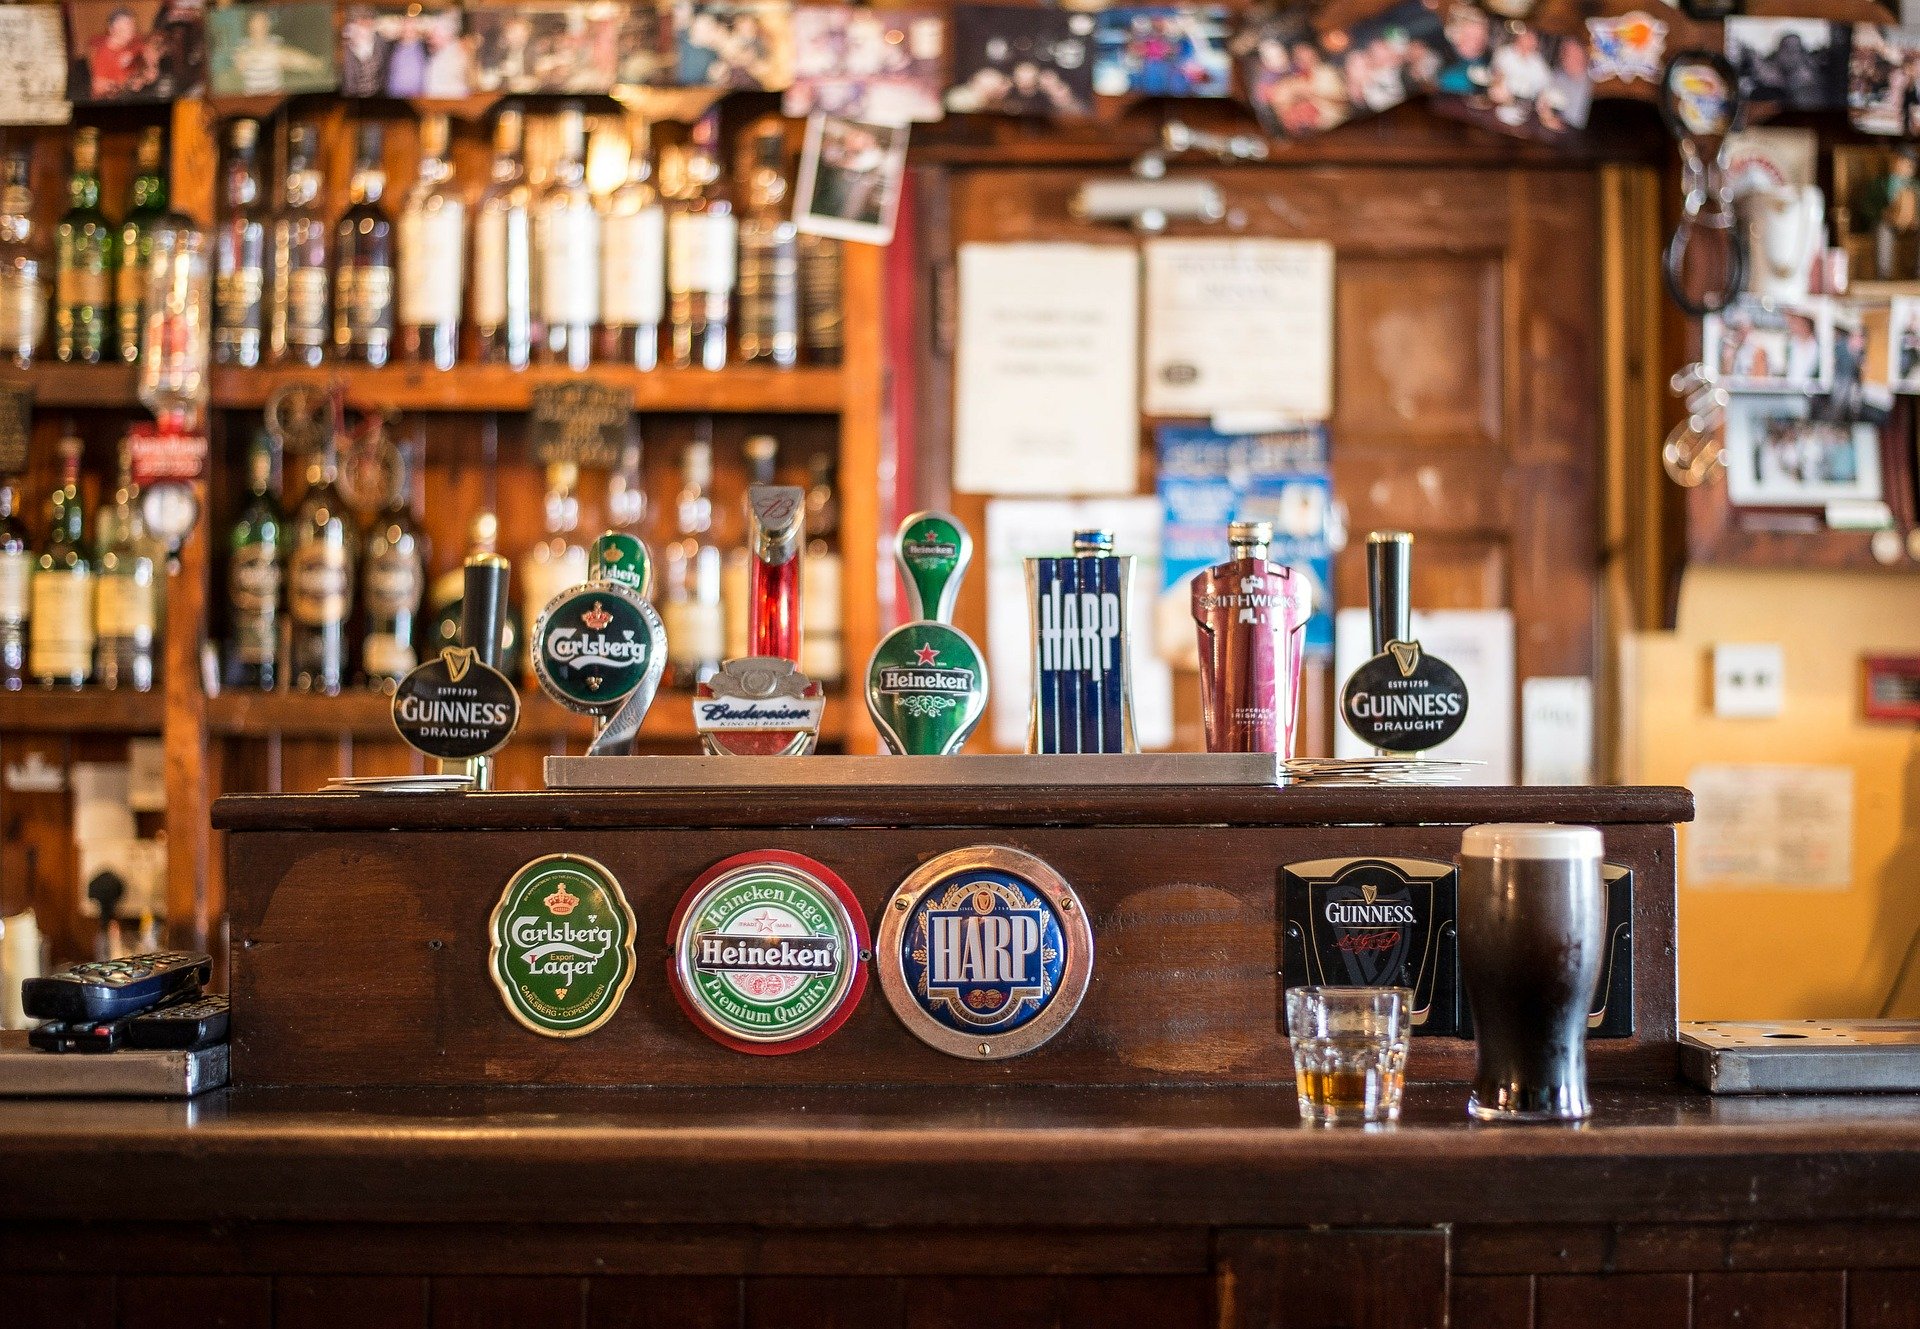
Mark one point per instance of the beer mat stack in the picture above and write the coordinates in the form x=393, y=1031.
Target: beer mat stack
x=398, y=784
x=1376, y=770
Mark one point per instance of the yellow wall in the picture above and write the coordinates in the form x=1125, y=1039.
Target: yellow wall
x=1777, y=953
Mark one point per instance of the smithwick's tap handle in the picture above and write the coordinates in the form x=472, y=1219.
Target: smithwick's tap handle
x=1390, y=587
x=483, y=611
x=933, y=550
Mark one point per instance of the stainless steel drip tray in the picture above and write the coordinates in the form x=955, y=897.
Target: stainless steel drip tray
x=1801, y=1056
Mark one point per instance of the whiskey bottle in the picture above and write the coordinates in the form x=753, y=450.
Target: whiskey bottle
x=146, y=205
x=393, y=581
x=23, y=270
x=256, y=567
x=567, y=239
x=363, y=263
x=762, y=452
x=633, y=291
x=433, y=252
x=299, y=325
x=16, y=570
x=83, y=239
x=821, y=657
x=240, y=254
x=320, y=593
x=557, y=561
x=503, y=252
x=125, y=609
x=60, y=600
x=627, y=488
x=696, y=632
x=702, y=239
x=769, y=250
x=820, y=319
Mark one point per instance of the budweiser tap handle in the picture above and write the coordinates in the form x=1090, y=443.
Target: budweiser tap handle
x=483, y=611
x=777, y=533
x=1390, y=587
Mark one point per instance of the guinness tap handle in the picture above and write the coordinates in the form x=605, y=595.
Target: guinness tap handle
x=483, y=611
x=1390, y=587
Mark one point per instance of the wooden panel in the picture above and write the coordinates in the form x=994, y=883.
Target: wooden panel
x=509, y=1303
x=665, y=1303
x=1417, y=351
x=1883, y=1299
x=826, y=1303
x=182, y=1302
x=1769, y=1301
x=1331, y=1280
x=1101, y=1303
x=1501, y=1302
x=984, y=1303
x=1607, y=1302
x=71, y=1301
x=349, y=1303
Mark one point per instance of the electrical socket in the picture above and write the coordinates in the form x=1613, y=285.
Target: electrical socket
x=1749, y=680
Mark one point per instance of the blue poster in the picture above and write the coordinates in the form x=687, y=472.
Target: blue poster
x=1208, y=479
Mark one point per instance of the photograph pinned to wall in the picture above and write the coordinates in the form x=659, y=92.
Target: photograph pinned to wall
x=734, y=45
x=1769, y=345
x=544, y=47
x=404, y=51
x=1161, y=51
x=1535, y=83
x=1020, y=61
x=1779, y=456
x=135, y=50
x=1857, y=388
x=644, y=52
x=866, y=64
x=1903, y=345
x=33, y=66
x=849, y=180
x=1791, y=62
x=1626, y=48
x=265, y=50
x=1301, y=81
x=1883, y=80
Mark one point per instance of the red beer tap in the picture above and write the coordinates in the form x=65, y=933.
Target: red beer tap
x=777, y=534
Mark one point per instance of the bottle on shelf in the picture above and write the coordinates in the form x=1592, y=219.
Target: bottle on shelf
x=16, y=571
x=320, y=577
x=503, y=251
x=240, y=254
x=60, y=600
x=627, y=488
x=769, y=250
x=557, y=561
x=433, y=254
x=363, y=262
x=23, y=270
x=393, y=582
x=567, y=240
x=125, y=608
x=84, y=263
x=446, y=600
x=256, y=569
x=298, y=322
x=762, y=452
x=146, y=205
x=821, y=657
x=633, y=286
x=702, y=243
x=695, y=622
x=821, y=325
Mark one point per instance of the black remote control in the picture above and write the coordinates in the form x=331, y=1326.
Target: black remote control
x=186, y=1026
x=80, y=1036
x=102, y=990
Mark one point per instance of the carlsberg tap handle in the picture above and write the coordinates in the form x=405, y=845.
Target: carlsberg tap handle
x=483, y=610
x=1390, y=587
x=933, y=550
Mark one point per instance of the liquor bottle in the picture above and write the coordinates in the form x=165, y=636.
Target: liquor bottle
x=363, y=263
x=320, y=592
x=633, y=283
x=820, y=321
x=83, y=302
x=696, y=634
x=146, y=204
x=1252, y=619
x=821, y=658
x=769, y=250
x=60, y=601
x=567, y=239
x=125, y=614
x=299, y=323
x=503, y=252
x=240, y=254
x=256, y=567
x=736, y=581
x=446, y=602
x=702, y=239
x=433, y=253
x=16, y=570
x=23, y=271
x=627, y=489
x=393, y=581
x=557, y=561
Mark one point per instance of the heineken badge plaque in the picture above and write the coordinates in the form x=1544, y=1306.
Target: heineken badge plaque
x=1404, y=700
x=758, y=707
x=926, y=689
x=456, y=708
x=1376, y=922
x=769, y=952
x=933, y=551
x=600, y=649
x=984, y=952
x=562, y=946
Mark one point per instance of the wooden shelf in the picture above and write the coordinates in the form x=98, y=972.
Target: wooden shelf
x=37, y=710
x=77, y=387
x=804, y=391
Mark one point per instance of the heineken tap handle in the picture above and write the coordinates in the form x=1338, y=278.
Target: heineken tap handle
x=1390, y=587
x=933, y=550
x=483, y=611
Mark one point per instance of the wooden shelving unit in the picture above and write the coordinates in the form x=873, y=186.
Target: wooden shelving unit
x=35, y=710
x=77, y=387
x=810, y=391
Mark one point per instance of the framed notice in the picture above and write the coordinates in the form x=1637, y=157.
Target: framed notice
x=33, y=66
x=1047, y=401
x=1240, y=327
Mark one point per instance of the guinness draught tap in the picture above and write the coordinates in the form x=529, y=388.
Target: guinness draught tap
x=1252, y=617
x=458, y=707
x=1403, y=699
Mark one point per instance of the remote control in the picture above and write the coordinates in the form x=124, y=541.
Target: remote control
x=103, y=990
x=62, y=1036
x=183, y=1027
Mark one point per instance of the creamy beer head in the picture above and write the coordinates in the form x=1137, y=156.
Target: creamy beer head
x=1522, y=840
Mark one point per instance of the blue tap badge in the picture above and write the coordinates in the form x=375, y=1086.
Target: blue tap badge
x=1082, y=696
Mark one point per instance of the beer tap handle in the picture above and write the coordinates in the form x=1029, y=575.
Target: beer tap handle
x=933, y=550
x=483, y=611
x=1390, y=587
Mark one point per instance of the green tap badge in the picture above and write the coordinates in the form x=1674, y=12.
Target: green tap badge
x=927, y=681
x=599, y=648
x=562, y=945
x=933, y=550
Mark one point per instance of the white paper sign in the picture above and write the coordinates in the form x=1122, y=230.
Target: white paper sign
x=1048, y=389
x=1240, y=327
x=1018, y=529
x=1556, y=730
x=33, y=66
x=1476, y=642
x=1762, y=825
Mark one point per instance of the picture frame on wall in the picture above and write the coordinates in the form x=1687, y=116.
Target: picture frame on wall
x=265, y=50
x=850, y=178
x=1769, y=345
x=1779, y=454
x=123, y=52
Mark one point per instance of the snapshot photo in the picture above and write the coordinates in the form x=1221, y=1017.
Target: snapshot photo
x=866, y=64
x=1304, y=82
x=135, y=50
x=1627, y=48
x=1769, y=345
x=1161, y=51
x=1903, y=345
x=395, y=51
x=1779, y=455
x=1792, y=62
x=734, y=45
x=850, y=177
x=1856, y=388
x=543, y=47
x=1019, y=61
x=1530, y=84
x=1883, y=80
x=265, y=50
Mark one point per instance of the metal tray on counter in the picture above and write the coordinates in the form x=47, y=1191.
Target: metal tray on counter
x=27, y=1072
x=1143, y=768
x=1801, y=1056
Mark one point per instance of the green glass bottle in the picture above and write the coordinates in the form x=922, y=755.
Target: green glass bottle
x=84, y=262
x=16, y=572
x=125, y=611
x=60, y=613
x=393, y=582
x=326, y=543
x=256, y=570
x=146, y=204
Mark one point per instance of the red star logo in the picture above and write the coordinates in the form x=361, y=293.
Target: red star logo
x=764, y=923
x=927, y=655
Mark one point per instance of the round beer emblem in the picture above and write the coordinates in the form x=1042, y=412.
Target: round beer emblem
x=985, y=952
x=768, y=952
x=562, y=945
x=597, y=644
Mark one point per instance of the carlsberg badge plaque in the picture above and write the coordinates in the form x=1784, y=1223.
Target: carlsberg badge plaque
x=562, y=946
x=984, y=952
